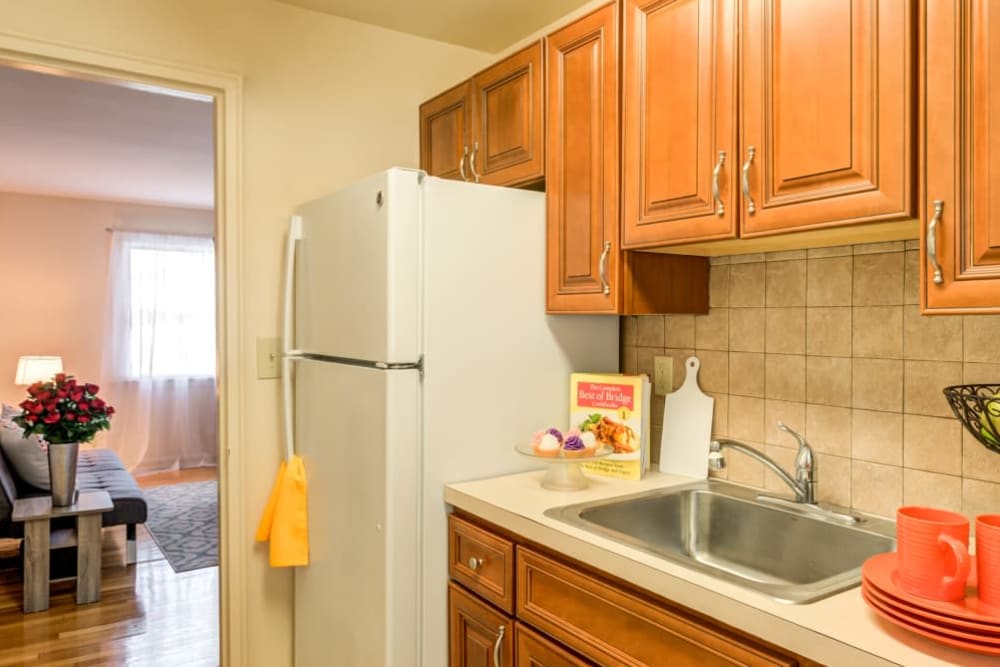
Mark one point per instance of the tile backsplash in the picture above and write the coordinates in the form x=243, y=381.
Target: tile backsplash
x=832, y=342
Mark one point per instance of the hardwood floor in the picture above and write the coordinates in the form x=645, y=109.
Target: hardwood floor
x=148, y=614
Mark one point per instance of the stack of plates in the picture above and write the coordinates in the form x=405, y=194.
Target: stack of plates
x=967, y=624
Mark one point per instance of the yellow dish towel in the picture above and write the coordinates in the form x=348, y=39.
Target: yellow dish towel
x=286, y=521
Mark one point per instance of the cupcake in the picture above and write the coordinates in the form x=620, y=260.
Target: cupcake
x=547, y=443
x=573, y=447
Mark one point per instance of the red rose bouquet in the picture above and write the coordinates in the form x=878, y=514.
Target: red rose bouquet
x=61, y=411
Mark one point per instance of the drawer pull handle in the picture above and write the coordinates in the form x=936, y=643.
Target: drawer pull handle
x=602, y=269
x=461, y=164
x=472, y=161
x=720, y=207
x=476, y=563
x=932, y=240
x=751, y=207
x=497, y=645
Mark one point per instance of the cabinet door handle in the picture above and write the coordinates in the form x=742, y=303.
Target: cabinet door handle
x=472, y=161
x=461, y=164
x=720, y=207
x=751, y=207
x=932, y=240
x=498, y=645
x=602, y=268
x=475, y=563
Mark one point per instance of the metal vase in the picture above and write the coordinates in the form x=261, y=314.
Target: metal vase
x=62, y=472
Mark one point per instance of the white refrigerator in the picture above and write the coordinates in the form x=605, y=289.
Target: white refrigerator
x=418, y=353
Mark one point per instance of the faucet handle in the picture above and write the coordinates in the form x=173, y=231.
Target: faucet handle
x=798, y=436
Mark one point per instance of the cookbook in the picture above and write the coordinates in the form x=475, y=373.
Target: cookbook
x=615, y=408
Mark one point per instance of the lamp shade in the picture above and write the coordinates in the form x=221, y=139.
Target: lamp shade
x=35, y=369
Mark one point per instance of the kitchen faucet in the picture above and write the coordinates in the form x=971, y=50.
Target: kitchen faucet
x=803, y=484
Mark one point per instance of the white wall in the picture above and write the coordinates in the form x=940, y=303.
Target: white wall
x=326, y=101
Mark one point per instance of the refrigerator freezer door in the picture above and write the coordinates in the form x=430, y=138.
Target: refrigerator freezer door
x=496, y=366
x=357, y=282
x=357, y=431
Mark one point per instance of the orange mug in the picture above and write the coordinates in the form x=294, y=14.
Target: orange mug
x=988, y=558
x=933, y=545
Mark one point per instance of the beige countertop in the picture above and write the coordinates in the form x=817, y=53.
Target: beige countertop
x=838, y=630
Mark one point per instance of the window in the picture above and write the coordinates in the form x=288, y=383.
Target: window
x=169, y=305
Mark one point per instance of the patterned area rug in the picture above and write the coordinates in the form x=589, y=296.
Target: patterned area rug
x=184, y=521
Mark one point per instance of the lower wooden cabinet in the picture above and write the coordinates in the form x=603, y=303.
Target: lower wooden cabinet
x=568, y=615
x=480, y=636
x=534, y=650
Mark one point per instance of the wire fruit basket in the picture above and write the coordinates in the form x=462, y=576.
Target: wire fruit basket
x=977, y=406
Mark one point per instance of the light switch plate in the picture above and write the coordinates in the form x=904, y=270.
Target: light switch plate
x=268, y=358
x=663, y=375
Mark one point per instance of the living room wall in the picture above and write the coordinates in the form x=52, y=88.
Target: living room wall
x=53, y=265
x=326, y=101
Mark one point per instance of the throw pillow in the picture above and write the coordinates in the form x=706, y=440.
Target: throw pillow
x=28, y=456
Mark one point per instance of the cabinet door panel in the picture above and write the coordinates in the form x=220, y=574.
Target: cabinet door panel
x=679, y=115
x=960, y=107
x=475, y=630
x=827, y=113
x=509, y=128
x=582, y=165
x=613, y=627
x=534, y=650
x=445, y=132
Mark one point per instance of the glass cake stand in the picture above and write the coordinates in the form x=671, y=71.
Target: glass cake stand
x=564, y=472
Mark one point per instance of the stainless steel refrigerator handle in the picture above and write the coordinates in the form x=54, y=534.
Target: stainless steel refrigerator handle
x=497, y=645
x=472, y=161
x=751, y=207
x=288, y=331
x=720, y=207
x=461, y=164
x=932, y=240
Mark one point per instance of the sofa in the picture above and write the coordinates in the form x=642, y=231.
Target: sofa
x=97, y=470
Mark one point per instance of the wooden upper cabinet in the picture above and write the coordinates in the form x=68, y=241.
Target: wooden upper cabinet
x=827, y=113
x=960, y=156
x=479, y=635
x=508, y=145
x=583, y=264
x=445, y=132
x=679, y=148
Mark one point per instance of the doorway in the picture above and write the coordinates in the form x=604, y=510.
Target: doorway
x=222, y=93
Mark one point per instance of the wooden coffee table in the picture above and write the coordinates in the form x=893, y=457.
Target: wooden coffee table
x=37, y=513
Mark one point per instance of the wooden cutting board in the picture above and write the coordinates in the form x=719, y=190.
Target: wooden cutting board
x=687, y=427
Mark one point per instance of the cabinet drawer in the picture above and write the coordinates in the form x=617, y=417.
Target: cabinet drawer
x=534, y=650
x=481, y=561
x=613, y=627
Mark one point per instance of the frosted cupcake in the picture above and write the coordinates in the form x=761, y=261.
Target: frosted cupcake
x=589, y=442
x=573, y=447
x=547, y=443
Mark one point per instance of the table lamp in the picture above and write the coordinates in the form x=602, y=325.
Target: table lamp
x=37, y=369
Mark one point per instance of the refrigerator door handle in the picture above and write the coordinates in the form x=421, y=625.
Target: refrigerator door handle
x=289, y=353
x=287, y=389
x=288, y=314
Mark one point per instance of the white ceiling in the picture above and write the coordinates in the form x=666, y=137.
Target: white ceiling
x=485, y=25
x=74, y=138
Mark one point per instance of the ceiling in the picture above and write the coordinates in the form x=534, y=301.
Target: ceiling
x=75, y=138
x=485, y=25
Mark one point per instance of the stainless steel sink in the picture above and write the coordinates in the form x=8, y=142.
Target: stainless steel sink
x=721, y=529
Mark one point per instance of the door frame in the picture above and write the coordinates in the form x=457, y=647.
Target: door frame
x=226, y=89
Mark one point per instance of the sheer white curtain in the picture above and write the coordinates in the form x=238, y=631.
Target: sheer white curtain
x=159, y=355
